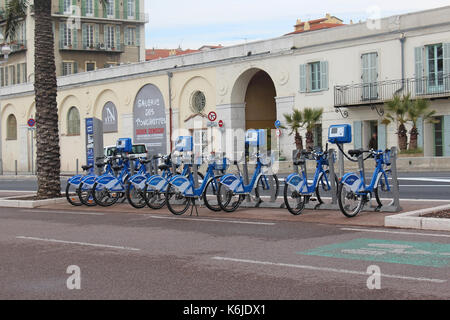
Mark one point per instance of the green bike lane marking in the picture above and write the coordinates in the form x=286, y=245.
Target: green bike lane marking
x=401, y=252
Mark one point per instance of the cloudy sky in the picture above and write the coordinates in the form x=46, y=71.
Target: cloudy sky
x=193, y=23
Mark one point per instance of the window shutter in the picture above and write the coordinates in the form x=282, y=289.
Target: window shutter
x=418, y=54
x=83, y=7
x=75, y=67
x=18, y=74
x=382, y=136
x=126, y=35
x=138, y=36
x=117, y=6
x=61, y=34
x=105, y=35
x=446, y=136
x=63, y=69
x=125, y=9
x=84, y=35
x=324, y=75
x=420, y=132
x=137, y=9
x=117, y=37
x=61, y=6
x=303, y=69
x=357, y=134
x=75, y=38
x=446, y=52
x=96, y=7
x=97, y=34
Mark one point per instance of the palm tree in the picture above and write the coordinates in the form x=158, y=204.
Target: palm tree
x=397, y=112
x=45, y=89
x=419, y=109
x=311, y=117
x=295, y=123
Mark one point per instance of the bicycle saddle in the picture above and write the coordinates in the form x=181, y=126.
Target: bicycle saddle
x=164, y=167
x=355, y=153
x=86, y=167
x=299, y=162
x=99, y=165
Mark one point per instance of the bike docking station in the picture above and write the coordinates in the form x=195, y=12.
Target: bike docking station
x=263, y=178
x=353, y=186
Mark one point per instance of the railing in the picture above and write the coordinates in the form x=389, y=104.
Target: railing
x=382, y=91
x=96, y=46
x=16, y=45
x=75, y=11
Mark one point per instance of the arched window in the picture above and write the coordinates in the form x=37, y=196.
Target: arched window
x=11, y=128
x=73, y=122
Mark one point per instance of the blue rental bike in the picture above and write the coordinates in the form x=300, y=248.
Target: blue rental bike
x=84, y=190
x=73, y=185
x=233, y=190
x=297, y=191
x=109, y=188
x=353, y=193
x=182, y=191
x=135, y=190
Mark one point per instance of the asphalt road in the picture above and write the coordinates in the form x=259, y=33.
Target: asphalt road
x=137, y=256
x=424, y=185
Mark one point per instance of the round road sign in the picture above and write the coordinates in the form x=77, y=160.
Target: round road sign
x=31, y=122
x=220, y=123
x=212, y=116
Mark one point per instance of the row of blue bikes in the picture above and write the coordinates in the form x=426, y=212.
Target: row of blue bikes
x=172, y=182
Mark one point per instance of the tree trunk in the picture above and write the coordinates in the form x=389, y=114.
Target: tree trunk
x=413, y=134
x=309, y=140
x=45, y=88
x=402, y=138
x=298, y=141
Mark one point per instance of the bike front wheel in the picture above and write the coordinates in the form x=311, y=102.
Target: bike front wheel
x=323, y=188
x=85, y=195
x=103, y=196
x=294, y=201
x=384, y=193
x=350, y=203
x=263, y=186
x=176, y=201
x=72, y=195
x=227, y=199
x=210, y=194
x=154, y=199
x=135, y=196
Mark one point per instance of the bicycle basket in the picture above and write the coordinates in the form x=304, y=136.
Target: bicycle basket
x=387, y=157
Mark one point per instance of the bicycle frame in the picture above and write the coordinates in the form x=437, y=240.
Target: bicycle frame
x=112, y=182
x=236, y=182
x=300, y=182
x=186, y=185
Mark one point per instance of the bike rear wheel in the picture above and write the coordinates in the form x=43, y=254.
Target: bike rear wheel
x=85, y=195
x=135, y=196
x=350, y=203
x=176, y=201
x=323, y=188
x=294, y=201
x=263, y=184
x=154, y=199
x=72, y=195
x=383, y=196
x=103, y=196
x=210, y=194
x=227, y=199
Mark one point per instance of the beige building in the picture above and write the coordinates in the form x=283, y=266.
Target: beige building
x=350, y=71
x=87, y=37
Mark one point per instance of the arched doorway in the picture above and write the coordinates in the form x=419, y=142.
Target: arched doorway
x=260, y=106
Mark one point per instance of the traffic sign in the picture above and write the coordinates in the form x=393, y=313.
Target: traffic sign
x=31, y=122
x=277, y=124
x=220, y=123
x=278, y=132
x=212, y=116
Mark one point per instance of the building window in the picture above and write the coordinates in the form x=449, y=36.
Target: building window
x=6, y=77
x=11, y=128
x=69, y=67
x=2, y=77
x=66, y=6
x=18, y=78
x=110, y=8
x=314, y=76
x=90, y=66
x=198, y=102
x=73, y=122
x=12, y=72
x=130, y=8
x=435, y=66
x=130, y=36
x=314, y=72
x=89, y=7
x=89, y=35
x=370, y=75
x=67, y=35
x=24, y=73
x=110, y=37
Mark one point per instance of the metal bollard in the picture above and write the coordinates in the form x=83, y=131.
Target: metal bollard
x=76, y=166
x=15, y=166
x=331, y=164
x=396, y=190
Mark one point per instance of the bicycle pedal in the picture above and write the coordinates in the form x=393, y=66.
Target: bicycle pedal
x=312, y=199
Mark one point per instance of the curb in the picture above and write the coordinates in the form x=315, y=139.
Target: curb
x=413, y=220
x=9, y=203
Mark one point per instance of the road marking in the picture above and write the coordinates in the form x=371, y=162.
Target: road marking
x=397, y=232
x=424, y=185
x=214, y=220
x=425, y=179
x=78, y=243
x=64, y=212
x=314, y=268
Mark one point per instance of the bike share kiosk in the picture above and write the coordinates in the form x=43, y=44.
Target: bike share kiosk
x=94, y=143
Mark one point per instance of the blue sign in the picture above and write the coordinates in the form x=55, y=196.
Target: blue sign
x=277, y=124
x=402, y=252
x=90, y=159
x=31, y=122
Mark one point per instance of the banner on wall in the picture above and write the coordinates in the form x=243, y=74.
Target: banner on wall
x=109, y=117
x=149, y=114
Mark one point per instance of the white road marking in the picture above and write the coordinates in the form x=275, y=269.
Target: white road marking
x=426, y=179
x=398, y=232
x=78, y=243
x=65, y=212
x=424, y=185
x=326, y=269
x=213, y=220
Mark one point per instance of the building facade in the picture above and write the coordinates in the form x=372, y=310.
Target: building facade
x=349, y=71
x=87, y=37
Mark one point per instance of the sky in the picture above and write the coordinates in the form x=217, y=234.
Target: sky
x=189, y=24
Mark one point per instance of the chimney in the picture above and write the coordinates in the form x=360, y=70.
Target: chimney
x=307, y=26
x=328, y=16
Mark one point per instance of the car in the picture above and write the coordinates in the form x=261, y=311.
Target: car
x=139, y=150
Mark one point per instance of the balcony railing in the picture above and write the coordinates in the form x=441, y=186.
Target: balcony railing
x=16, y=45
x=96, y=46
x=382, y=91
x=75, y=11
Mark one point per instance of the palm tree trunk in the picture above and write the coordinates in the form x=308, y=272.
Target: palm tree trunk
x=298, y=141
x=413, y=134
x=309, y=140
x=45, y=88
x=402, y=138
